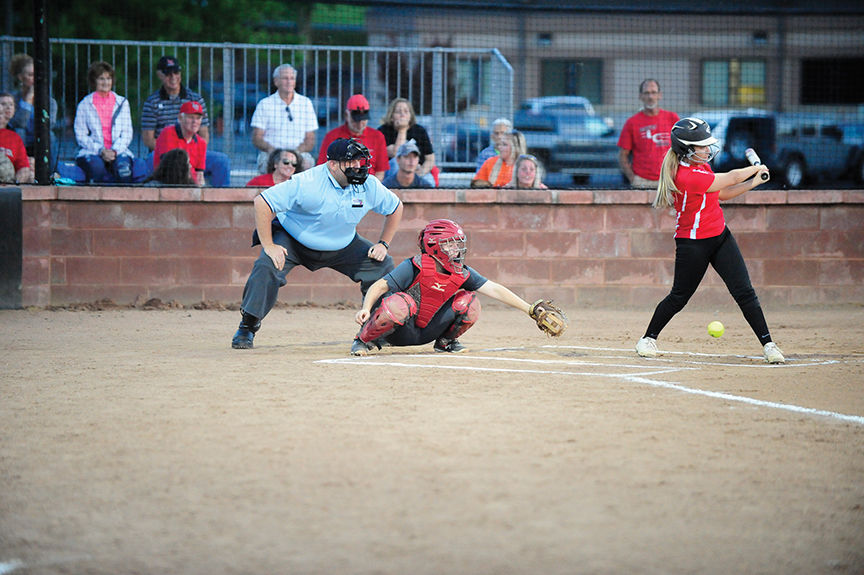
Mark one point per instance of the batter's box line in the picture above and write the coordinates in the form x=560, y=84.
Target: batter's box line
x=385, y=361
x=637, y=378
x=790, y=362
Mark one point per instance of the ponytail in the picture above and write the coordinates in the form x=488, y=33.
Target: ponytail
x=666, y=189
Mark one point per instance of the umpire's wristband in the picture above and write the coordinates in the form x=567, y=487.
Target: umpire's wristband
x=385, y=244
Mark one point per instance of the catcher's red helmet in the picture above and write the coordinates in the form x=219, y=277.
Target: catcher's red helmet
x=444, y=240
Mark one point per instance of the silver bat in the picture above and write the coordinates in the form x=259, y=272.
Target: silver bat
x=754, y=160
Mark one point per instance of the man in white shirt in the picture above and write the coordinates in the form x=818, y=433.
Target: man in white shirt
x=284, y=119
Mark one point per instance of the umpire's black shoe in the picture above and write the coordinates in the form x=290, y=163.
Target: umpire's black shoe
x=444, y=345
x=245, y=334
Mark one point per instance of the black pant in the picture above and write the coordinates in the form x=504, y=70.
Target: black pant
x=691, y=262
x=262, y=287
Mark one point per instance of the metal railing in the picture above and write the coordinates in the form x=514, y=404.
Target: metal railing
x=450, y=88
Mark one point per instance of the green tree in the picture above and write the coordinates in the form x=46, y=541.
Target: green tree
x=239, y=21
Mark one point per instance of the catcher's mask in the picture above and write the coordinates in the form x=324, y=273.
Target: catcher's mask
x=444, y=240
x=347, y=150
x=691, y=132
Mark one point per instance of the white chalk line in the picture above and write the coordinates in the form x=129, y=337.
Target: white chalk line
x=749, y=400
x=379, y=361
x=790, y=361
x=640, y=378
x=10, y=566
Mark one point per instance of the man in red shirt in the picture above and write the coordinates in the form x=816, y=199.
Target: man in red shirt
x=644, y=138
x=184, y=134
x=356, y=127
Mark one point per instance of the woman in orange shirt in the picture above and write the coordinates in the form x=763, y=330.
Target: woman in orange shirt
x=497, y=171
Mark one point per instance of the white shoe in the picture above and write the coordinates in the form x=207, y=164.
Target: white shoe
x=647, y=347
x=772, y=353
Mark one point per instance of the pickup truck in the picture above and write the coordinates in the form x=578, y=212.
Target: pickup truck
x=572, y=142
x=799, y=148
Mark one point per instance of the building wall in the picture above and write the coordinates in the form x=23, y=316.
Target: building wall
x=580, y=247
x=634, y=46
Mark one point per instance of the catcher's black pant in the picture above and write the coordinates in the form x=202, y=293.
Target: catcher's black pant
x=262, y=287
x=691, y=262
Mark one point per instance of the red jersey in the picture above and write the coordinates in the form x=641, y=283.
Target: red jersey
x=12, y=145
x=699, y=212
x=261, y=180
x=171, y=138
x=647, y=137
x=371, y=138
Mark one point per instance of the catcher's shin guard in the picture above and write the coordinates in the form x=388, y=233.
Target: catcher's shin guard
x=467, y=308
x=393, y=312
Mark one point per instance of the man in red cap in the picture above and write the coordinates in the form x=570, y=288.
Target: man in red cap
x=184, y=134
x=356, y=127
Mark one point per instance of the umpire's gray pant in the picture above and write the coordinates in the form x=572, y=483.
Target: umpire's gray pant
x=353, y=261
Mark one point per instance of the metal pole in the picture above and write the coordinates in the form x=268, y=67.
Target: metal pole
x=228, y=98
x=41, y=98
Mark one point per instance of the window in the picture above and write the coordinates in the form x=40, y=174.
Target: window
x=733, y=82
x=572, y=78
x=832, y=81
x=472, y=81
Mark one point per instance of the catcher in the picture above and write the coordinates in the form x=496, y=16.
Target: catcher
x=433, y=297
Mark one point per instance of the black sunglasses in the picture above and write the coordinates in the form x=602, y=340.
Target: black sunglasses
x=290, y=117
x=289, y=163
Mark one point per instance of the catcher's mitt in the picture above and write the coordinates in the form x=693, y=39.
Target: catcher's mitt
x=550, y=318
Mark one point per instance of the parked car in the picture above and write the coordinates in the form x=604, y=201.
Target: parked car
x=571, y=142
x=798, y=148
x=853, y=137
x=461, y=143
x=550, y=104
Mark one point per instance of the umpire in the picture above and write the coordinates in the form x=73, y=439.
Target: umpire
x=317, y=212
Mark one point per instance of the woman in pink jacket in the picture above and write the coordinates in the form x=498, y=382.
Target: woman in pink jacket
x=103, y=129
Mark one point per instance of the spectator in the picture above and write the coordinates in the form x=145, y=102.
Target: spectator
x=174, y=170
x=497, y=171
x=161, y=109
x=284, y=119
x=528, y=174
x=400, y=125
x=281, y=165
x=11, y=145
x=500, y=129
x=644, y=138
x=406, y=175
x=21, y=69
x=103, y=129
x=185, y=134
x=356, y=127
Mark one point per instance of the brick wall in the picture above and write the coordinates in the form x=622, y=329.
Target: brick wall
x=583, y=247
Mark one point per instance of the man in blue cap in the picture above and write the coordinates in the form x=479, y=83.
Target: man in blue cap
x=317, y=213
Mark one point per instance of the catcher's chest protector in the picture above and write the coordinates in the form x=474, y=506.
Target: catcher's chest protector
x=435, y=288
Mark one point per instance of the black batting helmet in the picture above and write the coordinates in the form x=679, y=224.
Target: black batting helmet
x=690, y=132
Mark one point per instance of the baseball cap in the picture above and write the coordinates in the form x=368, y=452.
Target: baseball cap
x=192, y=107
x=358, y=105
x=168, y=64
x=407, y=148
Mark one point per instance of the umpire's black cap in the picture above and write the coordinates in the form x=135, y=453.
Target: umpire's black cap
x=345, y=149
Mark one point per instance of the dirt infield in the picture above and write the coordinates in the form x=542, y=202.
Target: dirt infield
x=138, y=442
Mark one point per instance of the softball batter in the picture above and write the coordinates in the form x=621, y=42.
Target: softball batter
x=701, y=236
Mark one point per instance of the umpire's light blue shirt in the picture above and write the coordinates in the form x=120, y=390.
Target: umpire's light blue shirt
x=321, y=214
